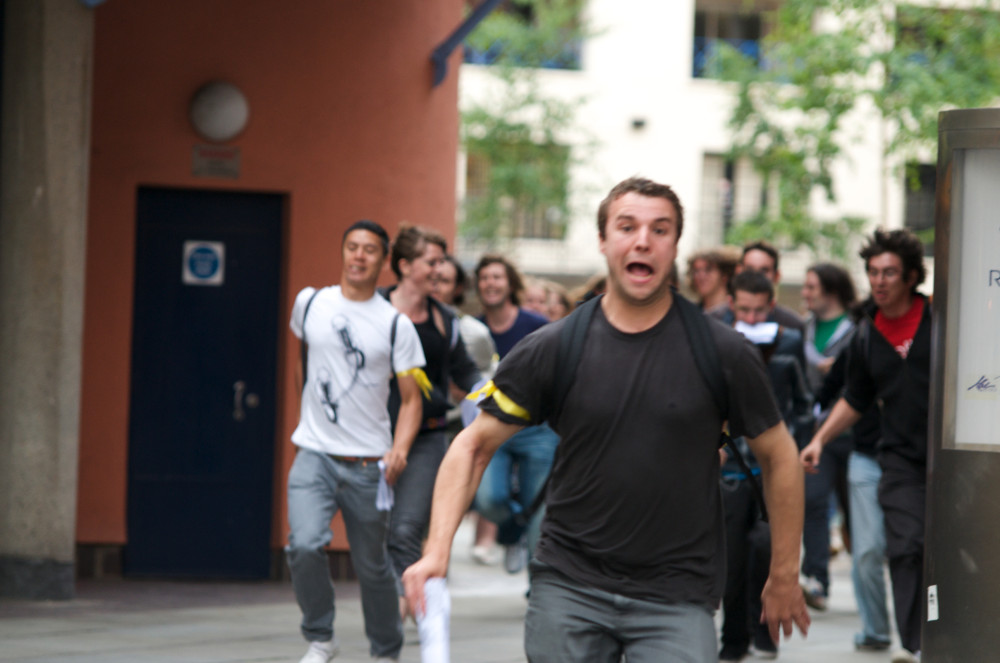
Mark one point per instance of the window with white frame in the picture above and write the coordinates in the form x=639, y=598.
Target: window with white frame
x=517, y=190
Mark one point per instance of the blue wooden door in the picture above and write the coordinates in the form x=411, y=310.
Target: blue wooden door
x=202, y=412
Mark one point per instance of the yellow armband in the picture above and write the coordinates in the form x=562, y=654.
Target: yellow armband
x=501, y=399
x=422, y=380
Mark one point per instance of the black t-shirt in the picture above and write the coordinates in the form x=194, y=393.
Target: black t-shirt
x=633, y=505
x=446, y=361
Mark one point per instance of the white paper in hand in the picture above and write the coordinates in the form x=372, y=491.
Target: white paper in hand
x=384, y=497
x=433, y=625
x=762, y=333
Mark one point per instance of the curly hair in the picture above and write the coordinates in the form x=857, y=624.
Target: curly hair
x=904, y=244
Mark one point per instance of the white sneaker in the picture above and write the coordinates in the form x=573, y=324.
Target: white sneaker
x=321, y=652
x=484, y=555
x=905, y=656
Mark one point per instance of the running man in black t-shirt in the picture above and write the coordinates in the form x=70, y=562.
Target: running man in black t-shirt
x=630, y=559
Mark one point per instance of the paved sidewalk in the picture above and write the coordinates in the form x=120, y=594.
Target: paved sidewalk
x=114, y=621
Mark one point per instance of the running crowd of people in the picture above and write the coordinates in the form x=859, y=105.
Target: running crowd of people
x=588, y=443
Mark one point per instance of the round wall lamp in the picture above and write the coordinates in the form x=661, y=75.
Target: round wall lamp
x=219, y=111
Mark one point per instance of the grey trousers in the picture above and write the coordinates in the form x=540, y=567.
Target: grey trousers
x=411, y=511
x=568, y=623
x=318, y=487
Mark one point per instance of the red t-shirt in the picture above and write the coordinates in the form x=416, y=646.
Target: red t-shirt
x=900, y=331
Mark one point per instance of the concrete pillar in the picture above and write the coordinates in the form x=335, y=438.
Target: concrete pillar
x=44, y=156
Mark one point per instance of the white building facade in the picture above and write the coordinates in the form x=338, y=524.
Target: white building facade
x=652, y=113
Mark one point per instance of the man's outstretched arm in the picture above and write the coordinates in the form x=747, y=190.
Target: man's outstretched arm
x=457, y=480
x=842, y=417
x=784, y=489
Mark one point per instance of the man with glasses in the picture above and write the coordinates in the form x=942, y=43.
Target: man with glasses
x=889, y=363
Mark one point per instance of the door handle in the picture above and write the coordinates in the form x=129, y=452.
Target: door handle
x=252, y=400
x=238, y=388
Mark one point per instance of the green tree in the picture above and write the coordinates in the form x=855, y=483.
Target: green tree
x=515, y=137
x=829, y=64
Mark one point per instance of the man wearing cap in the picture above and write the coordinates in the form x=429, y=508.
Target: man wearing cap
x=356, y=342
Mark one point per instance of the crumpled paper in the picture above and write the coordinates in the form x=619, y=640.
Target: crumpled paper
x=384, y=498
x=434, y=624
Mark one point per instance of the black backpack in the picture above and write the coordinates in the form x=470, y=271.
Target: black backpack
x=574, y=333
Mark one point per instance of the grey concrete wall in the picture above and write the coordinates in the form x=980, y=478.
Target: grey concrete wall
x=44, y=155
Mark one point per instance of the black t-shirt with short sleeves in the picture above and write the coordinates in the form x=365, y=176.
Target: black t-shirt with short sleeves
x=633, y=506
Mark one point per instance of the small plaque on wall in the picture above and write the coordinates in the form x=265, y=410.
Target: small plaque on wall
x=215, y=161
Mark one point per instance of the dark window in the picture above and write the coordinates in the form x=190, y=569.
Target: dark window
x=735, y=26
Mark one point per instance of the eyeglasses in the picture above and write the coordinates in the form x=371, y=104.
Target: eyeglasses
x=888, y=273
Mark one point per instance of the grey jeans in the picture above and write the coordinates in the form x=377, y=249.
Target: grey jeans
x=319, y=486
x=412, y=508
x=569, y=622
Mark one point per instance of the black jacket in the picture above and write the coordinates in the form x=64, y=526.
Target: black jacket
x=865, y=434
x=791, y=393
x=877, y=374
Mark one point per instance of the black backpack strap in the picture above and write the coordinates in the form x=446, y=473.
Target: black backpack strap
x=303, y=345
x=571, y=338
x=707, y=359
x=703, y=348
x=392, y=345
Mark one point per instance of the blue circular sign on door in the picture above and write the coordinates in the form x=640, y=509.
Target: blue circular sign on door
x=204, y=262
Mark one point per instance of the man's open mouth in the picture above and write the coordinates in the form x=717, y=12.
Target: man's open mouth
x=639, y=269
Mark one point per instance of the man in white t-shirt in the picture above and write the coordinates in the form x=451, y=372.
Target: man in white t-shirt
x=356, y=341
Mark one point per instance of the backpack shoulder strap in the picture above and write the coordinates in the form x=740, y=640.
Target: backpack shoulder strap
x=392, y=344
x=703, y=348
x=571, y=338
x=303, y=345
x=455, y=331
x=450, y=320
x=707, y=358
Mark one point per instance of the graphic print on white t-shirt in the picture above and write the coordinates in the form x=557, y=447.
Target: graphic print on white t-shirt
x=349, y=367
x=327, y=389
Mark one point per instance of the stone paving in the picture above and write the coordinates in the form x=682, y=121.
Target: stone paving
x=114, y=621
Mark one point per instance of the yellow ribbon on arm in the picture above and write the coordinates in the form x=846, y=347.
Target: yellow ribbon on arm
x=422, y=380
x=502, y=400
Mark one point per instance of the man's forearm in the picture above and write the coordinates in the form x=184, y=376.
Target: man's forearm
x=784, y=490
x=407, y=426
x=455, y=487
x=842, y=417
x=458, y=477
